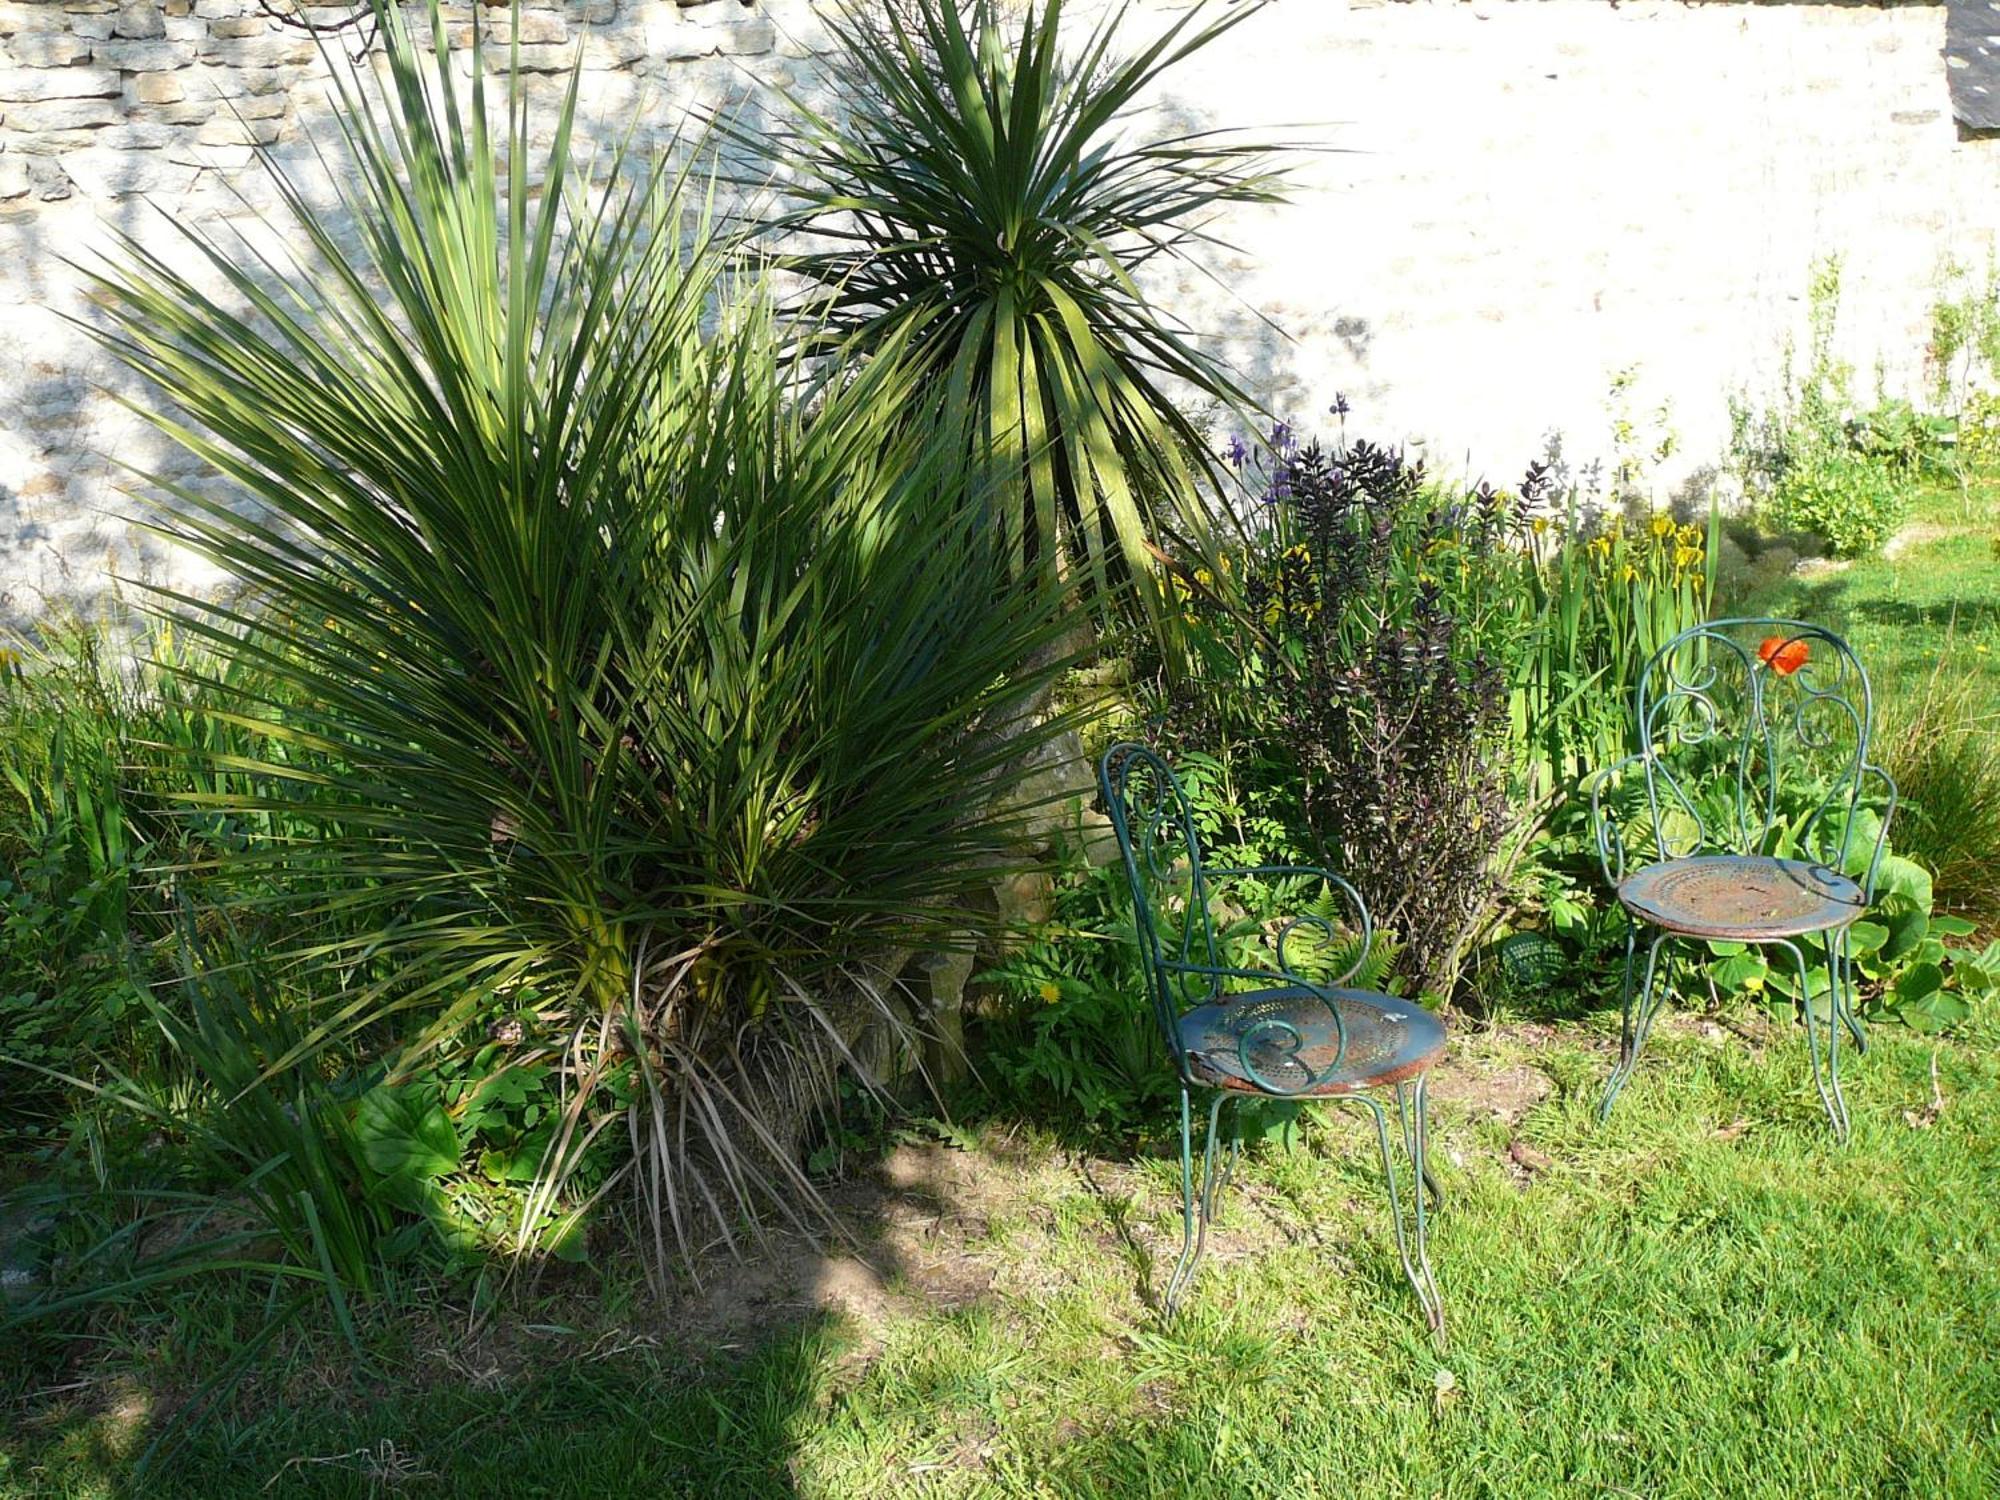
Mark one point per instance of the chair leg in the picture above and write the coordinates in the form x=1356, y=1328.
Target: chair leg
x=1637, y=1022
x=1216, y=1184
x=1837, y=1019
x=1411, y=1225
x=1193, y=1242
x=1826, y=1061
x=1843, y=993
x=1416, y=1124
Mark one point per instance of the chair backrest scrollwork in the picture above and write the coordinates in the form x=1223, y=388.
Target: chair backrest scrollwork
x=1157, y=838
x=1732, y=714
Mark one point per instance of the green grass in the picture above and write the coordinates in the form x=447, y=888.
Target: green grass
x=1939, y=592
x=1705, y=1296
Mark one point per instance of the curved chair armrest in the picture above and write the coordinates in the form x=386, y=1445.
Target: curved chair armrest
x=1604, y=826
x=1291, y=924
x=1270, y=1026
x=1882, y=833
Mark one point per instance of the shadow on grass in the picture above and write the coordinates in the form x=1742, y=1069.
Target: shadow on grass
x=584, y=1383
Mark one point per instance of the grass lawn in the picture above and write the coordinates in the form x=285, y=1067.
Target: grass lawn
x=1937, y=591
x=1705, y=1296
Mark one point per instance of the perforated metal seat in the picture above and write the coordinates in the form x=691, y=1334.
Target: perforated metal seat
x=1741, y=897
x=1387, y=1041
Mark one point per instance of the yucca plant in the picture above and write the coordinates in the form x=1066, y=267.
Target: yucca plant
x=661, y=677
x=972, y=196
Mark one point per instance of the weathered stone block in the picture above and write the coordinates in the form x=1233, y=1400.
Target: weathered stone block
x=751, y=37
x=158, y=88
x=259, y=106
x=193, y=112
x=146, y=136
x=17, y=18
x=186, y=148
x=235, y=26
x=612, y=50
x=47, y=49
x=269, y=51
x=548, y=58
x=143, y=57
x=228, y=130
x=140, y=18
x=671, y=39
x=30, y=120
x=101, y=172
x=57, y=83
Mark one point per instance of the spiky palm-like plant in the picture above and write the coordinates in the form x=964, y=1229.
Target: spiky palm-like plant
x=971, y=197
x=650, y=668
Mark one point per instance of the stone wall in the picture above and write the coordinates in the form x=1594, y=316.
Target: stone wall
x=1524, y=203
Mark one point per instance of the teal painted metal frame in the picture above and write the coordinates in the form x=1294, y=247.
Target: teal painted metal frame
x=1676, y=705
x=1154, y=824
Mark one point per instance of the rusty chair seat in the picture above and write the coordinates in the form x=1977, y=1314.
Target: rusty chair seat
x=1388, y=1040
x=1747, y=898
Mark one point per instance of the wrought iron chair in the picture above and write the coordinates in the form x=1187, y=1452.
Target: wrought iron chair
x=1731, y=865
x=1276, y=1034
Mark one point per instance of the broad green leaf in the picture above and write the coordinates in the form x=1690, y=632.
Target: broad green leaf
x=1742, y=971
x=1908, y=924
x=1903, y=877
x=1935, y=1011
x=1917, y=981
x=405, y=1133
x=1866, y=937
x=1864, y=830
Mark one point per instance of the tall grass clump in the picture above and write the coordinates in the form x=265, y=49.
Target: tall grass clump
x=980, y=198
x=1601, y=601
x=667, y=681
x=1941, y=741
x=100, y=721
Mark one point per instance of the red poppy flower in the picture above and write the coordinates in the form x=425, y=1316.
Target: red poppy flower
x=1783, y=654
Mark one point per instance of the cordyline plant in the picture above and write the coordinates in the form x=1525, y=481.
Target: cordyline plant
x=972, y=198
x=661, y=678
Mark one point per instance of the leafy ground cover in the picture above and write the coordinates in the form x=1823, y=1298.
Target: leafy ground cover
x=1704, y=1296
